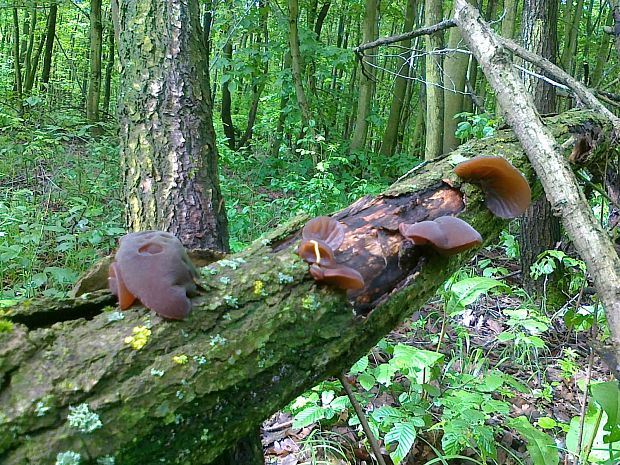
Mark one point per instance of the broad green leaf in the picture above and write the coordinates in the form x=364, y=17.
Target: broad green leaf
x=366, y=380
x=608, y=397
x=406, y=356
x=384, y=372
x=387, y=412
x=360, y=365
x=541, y=446
x=468, y=290
x=404, y=433
x=547, y=423
x=308, y=416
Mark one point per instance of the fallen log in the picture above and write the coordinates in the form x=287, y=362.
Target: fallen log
x=75, y=377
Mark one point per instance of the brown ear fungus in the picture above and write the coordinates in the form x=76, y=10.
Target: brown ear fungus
x=447, y=234
x=507, y=192
x=152, y=266
x=320, y=237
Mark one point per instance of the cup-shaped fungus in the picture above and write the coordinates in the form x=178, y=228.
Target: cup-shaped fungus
x=506, y=190
x=447, y=234
x=320, y=237
x=326, y=229
x=340, y=276
x=152, y=266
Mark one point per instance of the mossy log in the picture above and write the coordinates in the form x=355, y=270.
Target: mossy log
x=260, y=333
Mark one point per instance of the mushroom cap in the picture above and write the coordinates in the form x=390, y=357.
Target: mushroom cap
x=448, y=235
x=154, y=267
x=316, y=251
x=326, y=229
x=118, y=288
x=506, y=190
x=341, y=276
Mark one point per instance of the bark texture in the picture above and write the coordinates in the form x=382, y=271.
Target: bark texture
x=261, y=332
x=434, y=90
x=49, y=46
x=167, y=138
x=94, y=81
x=562, y=191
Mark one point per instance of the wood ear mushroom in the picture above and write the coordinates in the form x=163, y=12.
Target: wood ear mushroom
x=447, y=235
x=153, y=267
x=320, y=237
x=506, y=190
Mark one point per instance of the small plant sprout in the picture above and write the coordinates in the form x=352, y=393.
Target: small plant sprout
x=68, y=458
x=83, y=419
x=199, y=359
x=225, y=280
x=139, y=338
x=6, y=326
x=180, y=359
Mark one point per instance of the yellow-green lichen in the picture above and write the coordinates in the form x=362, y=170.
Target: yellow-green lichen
x=259, y=288
x=139, y=338
x=180, y=359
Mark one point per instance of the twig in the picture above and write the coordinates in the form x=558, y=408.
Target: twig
x=445, y=24
x=374, y=445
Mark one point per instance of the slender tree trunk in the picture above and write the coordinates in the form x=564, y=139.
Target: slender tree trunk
x=570, y=38
x=602, y=55
x=367, y=76
x=30, y=47
x=107, y=86
x=16, y=63
x=540, y=229
x=390, y=136
x=297, y=67
x=49, y=46
x=508, y=30
x=29, y=84
x=227, y=122
x=94, y=87
x=434, y=91
x=168, y=151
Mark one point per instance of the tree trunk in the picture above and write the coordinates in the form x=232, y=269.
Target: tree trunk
x=168, y=150
x=109, y=67
x=570, y=38
x=508, y=30
x=454, y=76
x=199, y=385
x=434, y=91
x=16, y=64
x=367, y=80
x=49, y=46
x=390, y=136
x=29, y=84
x=31, y=39
x=540, y=229
x=296, y=65
x=94, y=78
x=227, y=122
x=602, y=55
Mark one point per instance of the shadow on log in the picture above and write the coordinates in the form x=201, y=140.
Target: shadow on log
x=261, y=333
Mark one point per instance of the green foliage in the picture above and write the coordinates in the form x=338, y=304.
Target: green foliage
x=541, y=446
x=574, y=275
x=474, y=126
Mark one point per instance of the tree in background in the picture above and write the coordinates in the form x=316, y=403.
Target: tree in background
x=167, y=138
x=434, y=90
x=94, y=78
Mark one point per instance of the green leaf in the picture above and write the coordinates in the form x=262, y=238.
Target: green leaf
x=547, y=423
x=608, y=397
x=411, y=357
x=366, y=380
x=468, y=290
x=360, y=365
x=308, y=416
x=541, y=446
x=384, y=373
x=404, y=433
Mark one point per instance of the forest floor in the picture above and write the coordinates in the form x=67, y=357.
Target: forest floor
x=554, y=375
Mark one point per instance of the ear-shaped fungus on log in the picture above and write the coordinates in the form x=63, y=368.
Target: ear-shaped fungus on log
x=320, y=237
x=153, y=266
x=340, y=276
x=507, y=192
x=326, y=229
x=447, y=234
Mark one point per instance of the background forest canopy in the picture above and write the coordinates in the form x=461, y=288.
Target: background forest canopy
x=307, y=128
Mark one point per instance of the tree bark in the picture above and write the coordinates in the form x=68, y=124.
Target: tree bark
x=570, y=37
x=590, y=240
x=168, y=150
x=199, y=385
x=17, y=68
x=390, y=136
x=31, y=39
x=49, y=46
x=94, y=78
x=109, y=67
x=540, y=228
x=434, y=90
x=367, y=80
x=227, y=122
